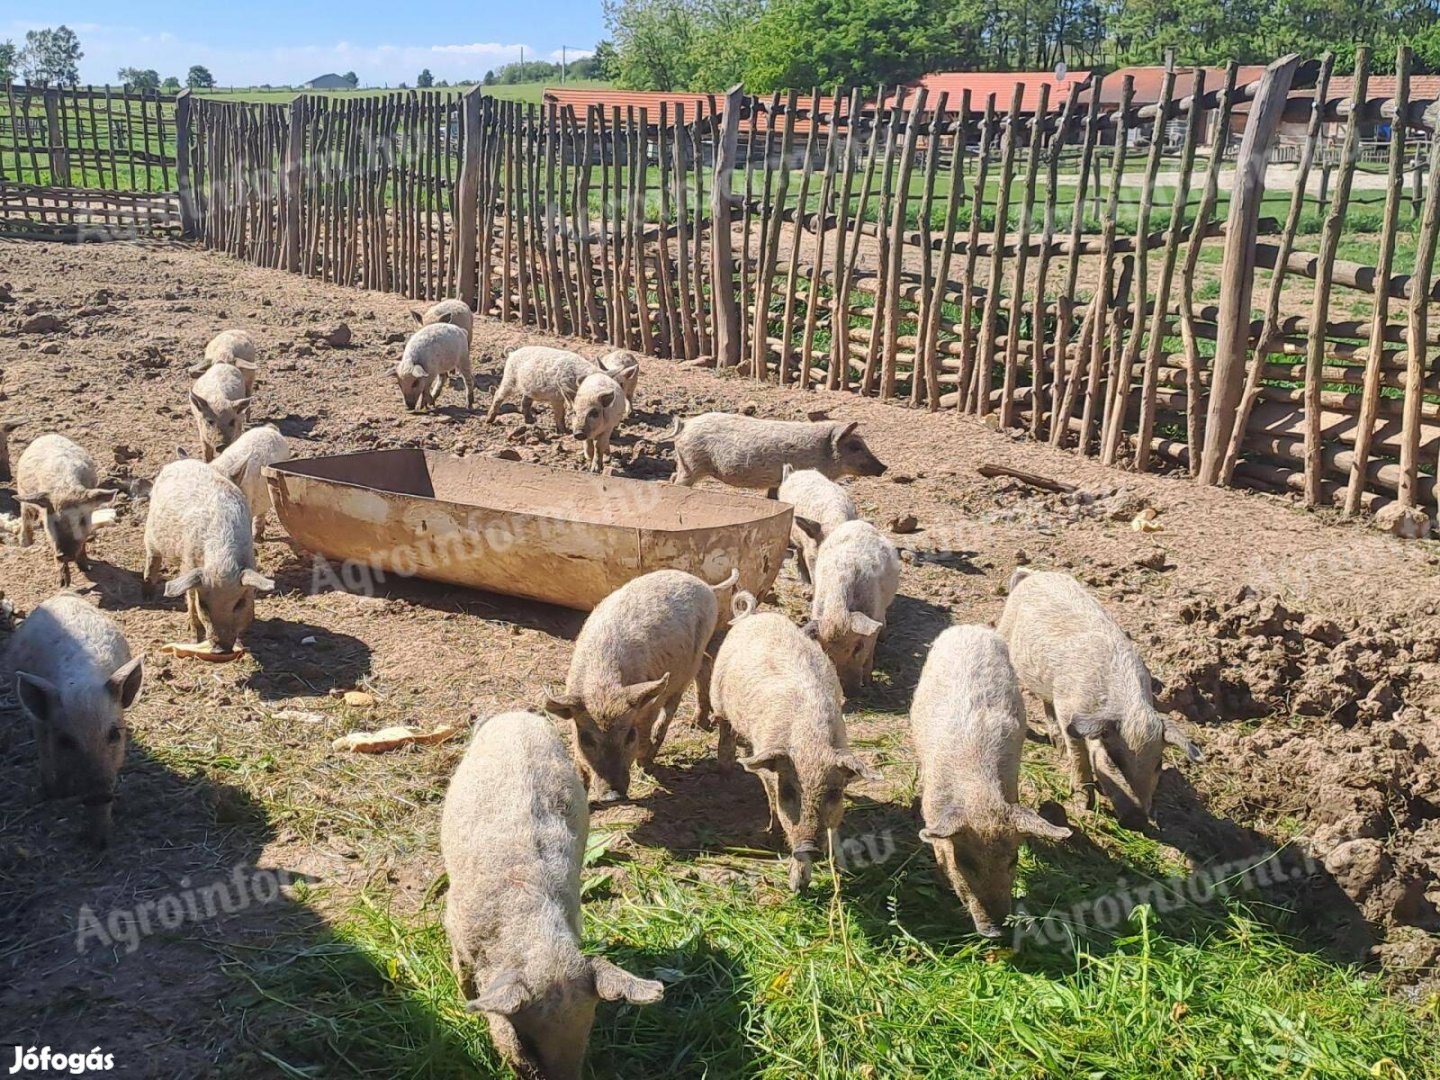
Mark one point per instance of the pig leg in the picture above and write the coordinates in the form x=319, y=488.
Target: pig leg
x=772, y=798
x=557, y=410
x=151, y=580
x=257, y=527
x=651, y=746
x=436, y=386
x=602, y=451
x=802, y=560
x=725, y=752
x=1082, y=775
x=82, y=556
x=702, y=693
x=64, y=571
x=527, y=408
x=502, y=394
x=469, y=377
x=28, y=515
x=192, y=607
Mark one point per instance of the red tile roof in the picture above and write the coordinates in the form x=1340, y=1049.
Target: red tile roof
x=982, y=84
x=1148, y=81
x=1382, y=87
x=650, y=100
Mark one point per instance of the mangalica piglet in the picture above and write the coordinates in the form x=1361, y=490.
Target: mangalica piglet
x=432, y=354
x=200, y=520
x=774, y=691
x=1097, y=692
x=75, y=677
x=243, y=465
x=816, y=498
x=235, y=347
x=454, y=312
x=856, y=574
x=513, y=835
x=968, y=722
x=599, y=406
x=539, y=373
x=6, y=428
x=56, y=478
x=623, y=366
x=637, y=654
x=747, y=452
x=220, y=406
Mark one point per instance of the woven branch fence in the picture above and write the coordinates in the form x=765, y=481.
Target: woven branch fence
x=1114, y=279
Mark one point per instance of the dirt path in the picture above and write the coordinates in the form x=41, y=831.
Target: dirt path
x=1305, y=653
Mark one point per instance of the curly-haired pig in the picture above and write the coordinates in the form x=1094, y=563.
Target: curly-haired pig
x=220, y=406
x=243, y=464
x=454, y=312
x=1097, y=691
x=816, y=498
x=431, y=355
x=968, y=722
x=774, y=691
x=74, y=677
x=635, y=657
x=512, y=834
x=599, y=407
x=234, y=347
x=56, y=479
x=747, y=452
x=856, y=575
x=200, y=520
x=539, y=373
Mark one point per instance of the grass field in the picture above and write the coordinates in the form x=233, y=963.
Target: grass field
x=528, y=92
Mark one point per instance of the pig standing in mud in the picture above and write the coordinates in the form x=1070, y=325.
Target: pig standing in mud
x=512, y=835
x=1074, y=657
x=75, y=677
x=774, y=690
x=747, y=452
x=637, y=654
x=968, y=722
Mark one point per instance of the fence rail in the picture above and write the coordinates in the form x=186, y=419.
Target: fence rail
x=1115, y=279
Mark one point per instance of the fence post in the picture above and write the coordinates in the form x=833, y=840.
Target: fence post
x=59, y=157
x=722, y=249
x=184, y=182
x=1237, y=280
x=468, y=223
x=294, y=153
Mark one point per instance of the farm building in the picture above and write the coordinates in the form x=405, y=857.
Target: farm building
x=328, y=81
x=1000, y=85
x=1149, y=81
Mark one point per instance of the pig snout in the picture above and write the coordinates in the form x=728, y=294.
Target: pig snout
x=801, y=869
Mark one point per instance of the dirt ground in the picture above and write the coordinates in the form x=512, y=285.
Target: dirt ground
x=1304, y=653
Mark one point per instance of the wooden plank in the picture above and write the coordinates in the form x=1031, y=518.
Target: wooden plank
x=722, y=239
x=1418, y=331
x=772, y=221
x=817, y=264
x=882, y=255
x=1017, y=282
x=1385, y=260
x=988, y=320
x=896, y=251
x=789, y=298
x=930, y=332
x=965, y=400
x=680, y=147
x=845, y=280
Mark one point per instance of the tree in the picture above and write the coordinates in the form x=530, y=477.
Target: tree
x=139, y=79
x=489, y=79
x=9, y=61
x=351, y=78
x=604, y=62
x=424, y=79
x=51, y=56
x=171, y=85
x=199, y=78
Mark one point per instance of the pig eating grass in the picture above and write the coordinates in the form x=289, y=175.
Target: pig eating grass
x=55, y=480
x=774, y=691
x=1075, y=658
x=513, y=834
x=856, y=575
x=747, y=452
x=75, y=677
x=201, y=521
x=968, y=723
x=636, y=655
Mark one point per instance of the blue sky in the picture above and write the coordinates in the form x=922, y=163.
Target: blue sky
x=271, y=41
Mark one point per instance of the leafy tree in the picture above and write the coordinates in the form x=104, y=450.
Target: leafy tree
x=171, y=85
x=351, y=78
x=199, y=78
x=139, y=79
x=425, y=79
x=51, y=56
x=9, y=61
x=489, y=79
x=605, y=61
x=654, y=40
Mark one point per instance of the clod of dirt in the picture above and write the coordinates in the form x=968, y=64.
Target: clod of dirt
x=303, y=350
x=51, y=348
x=902, y=478
x=508, y=454
x=749, y=408
x=1406, y=522
x=1154, y=559
x=336, y=335
x=904, y=524
x=44, y=323
x=7, y=293
x=395, y=337
x=816, y=415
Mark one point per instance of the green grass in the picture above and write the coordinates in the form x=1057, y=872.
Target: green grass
x=530, y=92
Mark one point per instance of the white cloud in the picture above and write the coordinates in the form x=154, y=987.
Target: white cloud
x=569, y=55
x=108, y=48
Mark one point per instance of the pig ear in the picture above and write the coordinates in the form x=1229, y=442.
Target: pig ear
x=785, y=471
x=563, y=705
x=614, y=983
x=181, y=453
x=944, y=829
x=855, y=768
x=246, y=365
x=257, y=581
x=37, y=696
x=199, y=369
x=7, y=426
x=37, y=498
x=607, y=399
x=769, y=759
x=1030, y=823
x=1157, y=686
x=124, y=685
x=842, y=430
x=862, y=624
x=419, y=316
x=629, y=371
x=100, y=496
x=507, y=994
x=241, y=405
x=184, y=583
x=645, y=693
x=1086, y=726
x=813, y=529
x=202, y=406
x=1177, y=738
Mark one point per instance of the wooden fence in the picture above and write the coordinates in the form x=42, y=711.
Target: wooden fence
x=1098, y=277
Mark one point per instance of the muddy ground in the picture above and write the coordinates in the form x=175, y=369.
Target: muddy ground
x=1304, y=653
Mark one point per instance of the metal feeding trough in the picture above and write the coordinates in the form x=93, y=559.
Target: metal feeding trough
x=563, y=537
